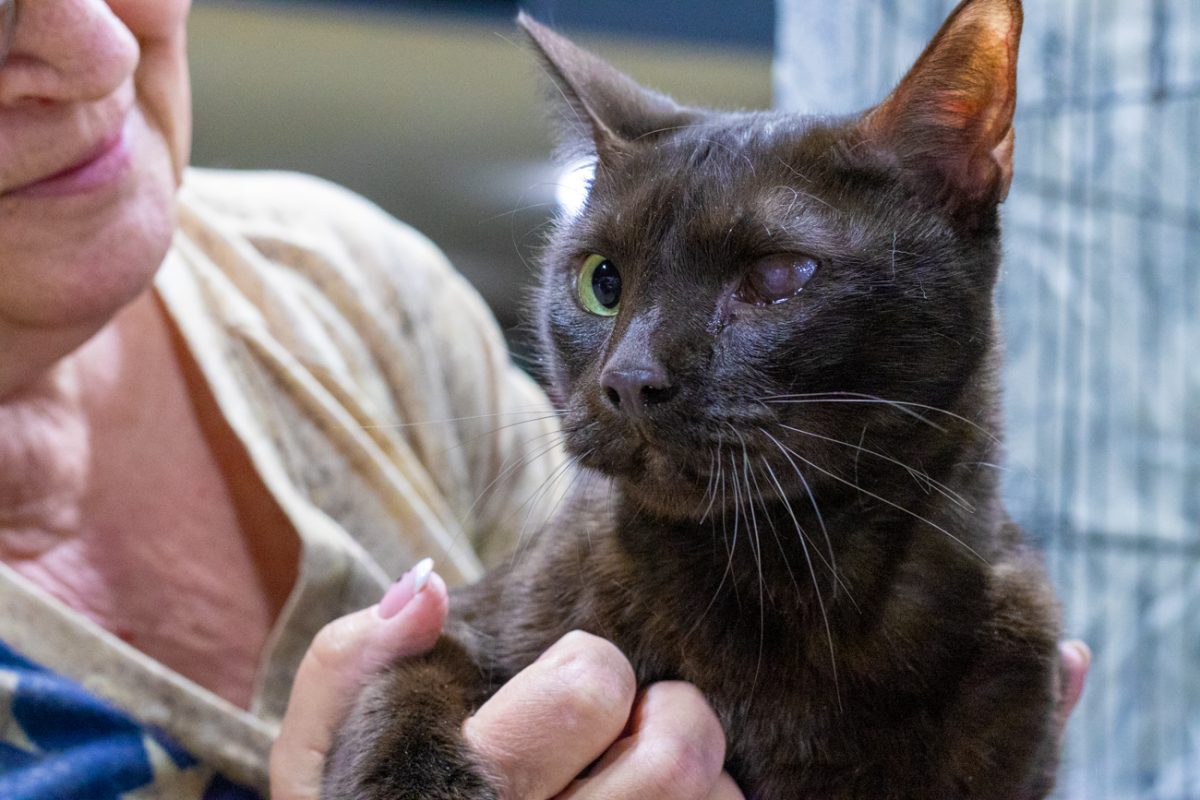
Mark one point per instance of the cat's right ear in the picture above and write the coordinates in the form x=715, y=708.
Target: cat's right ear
x=950, y=121
x=601, y=111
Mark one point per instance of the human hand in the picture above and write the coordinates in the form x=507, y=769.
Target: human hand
x=576, y=706
x=347, y=651
x=1074, y=660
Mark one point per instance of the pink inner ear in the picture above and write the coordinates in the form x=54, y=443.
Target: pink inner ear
x=952, y=113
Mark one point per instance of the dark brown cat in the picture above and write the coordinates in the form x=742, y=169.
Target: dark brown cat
x=771, y=339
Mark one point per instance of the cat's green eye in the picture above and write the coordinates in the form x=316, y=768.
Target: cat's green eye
x=598, y=286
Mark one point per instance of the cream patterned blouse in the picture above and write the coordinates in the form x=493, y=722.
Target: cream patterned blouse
x=373, y=394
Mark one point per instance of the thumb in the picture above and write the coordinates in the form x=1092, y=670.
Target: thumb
x=347, y=651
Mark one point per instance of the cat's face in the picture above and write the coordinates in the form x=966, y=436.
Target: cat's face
x=745, y=297
x=733, y=267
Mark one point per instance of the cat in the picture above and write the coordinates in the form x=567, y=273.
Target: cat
x=771, y=340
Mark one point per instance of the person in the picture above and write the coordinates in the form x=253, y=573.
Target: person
x=230, y=407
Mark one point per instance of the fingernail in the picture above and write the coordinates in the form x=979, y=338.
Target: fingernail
x=1085, y=653
x=404, y=590
x=421, y=573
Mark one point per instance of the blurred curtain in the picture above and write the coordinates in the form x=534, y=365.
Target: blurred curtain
x=1100, y=298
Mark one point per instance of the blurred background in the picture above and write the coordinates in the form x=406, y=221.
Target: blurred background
x=431, y=110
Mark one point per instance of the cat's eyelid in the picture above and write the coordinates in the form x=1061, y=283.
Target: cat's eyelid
x=768, y=282
x=820, y=262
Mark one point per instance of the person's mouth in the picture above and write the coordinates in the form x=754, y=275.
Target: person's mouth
x=99, y=166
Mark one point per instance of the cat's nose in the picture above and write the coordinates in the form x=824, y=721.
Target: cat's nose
x=633, y=390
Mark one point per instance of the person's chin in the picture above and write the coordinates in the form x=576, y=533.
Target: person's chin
x=80, y=257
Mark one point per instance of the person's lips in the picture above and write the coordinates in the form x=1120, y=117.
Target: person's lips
x=100, y=166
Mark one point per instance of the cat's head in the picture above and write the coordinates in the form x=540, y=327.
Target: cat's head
x=742, y=290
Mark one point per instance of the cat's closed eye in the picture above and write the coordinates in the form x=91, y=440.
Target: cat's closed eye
x=776, y=279
x=598, y=286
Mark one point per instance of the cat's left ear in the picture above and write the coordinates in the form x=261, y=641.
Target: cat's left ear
x=949, y=122
x=601, y=110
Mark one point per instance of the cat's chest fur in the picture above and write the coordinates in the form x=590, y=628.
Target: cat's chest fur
x=814, y=674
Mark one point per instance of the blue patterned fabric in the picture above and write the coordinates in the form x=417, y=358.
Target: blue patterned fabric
x=57, y=740
x=1100, y=305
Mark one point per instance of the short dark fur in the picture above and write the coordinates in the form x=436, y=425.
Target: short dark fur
x=899, y=642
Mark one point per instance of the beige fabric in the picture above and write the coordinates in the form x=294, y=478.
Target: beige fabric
x=373, y=394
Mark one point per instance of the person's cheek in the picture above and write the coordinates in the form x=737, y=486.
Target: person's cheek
x=152, y=19
x=160, y=26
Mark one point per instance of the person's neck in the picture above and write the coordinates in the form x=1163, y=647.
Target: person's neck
x=126, y=497
x=46, y=438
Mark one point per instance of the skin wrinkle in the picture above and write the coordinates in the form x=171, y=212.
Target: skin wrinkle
x=208, y=620
x=33, y=476
x=91, y=473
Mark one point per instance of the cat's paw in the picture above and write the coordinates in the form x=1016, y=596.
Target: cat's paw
x=412, y=768
x=403, y=741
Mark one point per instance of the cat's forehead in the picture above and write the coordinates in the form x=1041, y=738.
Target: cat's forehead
x=728, y=144
x=758, y=169
x=723, y=157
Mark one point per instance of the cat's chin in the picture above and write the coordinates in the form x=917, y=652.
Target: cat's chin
x=662, y=483
x=665, y=500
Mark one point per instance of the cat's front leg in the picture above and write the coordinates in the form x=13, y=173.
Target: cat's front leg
x=403, y=737
x=1004, y=726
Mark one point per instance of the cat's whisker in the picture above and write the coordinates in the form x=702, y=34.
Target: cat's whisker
x=755, y=541
x=988, y=464
x=755, y=545
x=724, y=517
x=555, y=439
x=518, y=209
x=737, y=510
x=539, y=410
x=523, y=241
x=887, y=502
x=710, y=493
x=492, y=432
x=762, y=499
x=922, y=477
x=569, y=466
x=837, y=689
x=812, y=498
x=756, y=550
x=862, y=437
x=831, y=562
x=505, y=471
x=904, y=406
x=718, y=479
x=799, y=400
x=724, y=538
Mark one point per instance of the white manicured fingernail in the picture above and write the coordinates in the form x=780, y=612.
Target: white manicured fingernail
x=421, y=573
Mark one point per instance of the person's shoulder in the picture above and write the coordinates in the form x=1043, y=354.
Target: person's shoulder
x=262, y=195
x=294, y=205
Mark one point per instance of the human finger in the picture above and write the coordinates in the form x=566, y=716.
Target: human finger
x=406, y=622
x=674, y=751
x=555, y=717
x=1075, y=659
